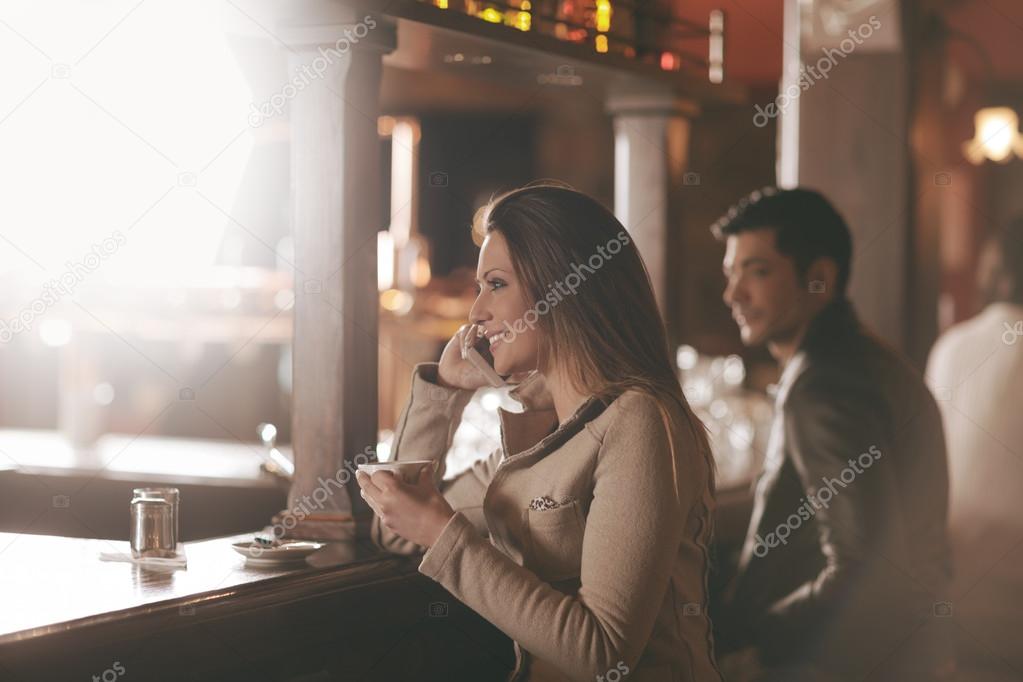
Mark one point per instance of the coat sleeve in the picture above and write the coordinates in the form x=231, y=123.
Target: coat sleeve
x=426, y=428
x=631, y=541
x=831, y=420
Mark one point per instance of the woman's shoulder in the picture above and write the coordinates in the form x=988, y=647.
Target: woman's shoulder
x=639, y=417
x=632, y=434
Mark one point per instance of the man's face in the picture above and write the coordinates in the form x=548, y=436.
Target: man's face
x=769, y=300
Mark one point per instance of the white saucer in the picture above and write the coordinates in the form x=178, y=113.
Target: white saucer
x=286, y=553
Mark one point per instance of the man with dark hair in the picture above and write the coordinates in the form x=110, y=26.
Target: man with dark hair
x=976, y=371
x=845, y=564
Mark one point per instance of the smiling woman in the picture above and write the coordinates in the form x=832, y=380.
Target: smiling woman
x=598, y=505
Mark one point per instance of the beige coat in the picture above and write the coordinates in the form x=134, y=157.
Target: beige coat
x=610, y=584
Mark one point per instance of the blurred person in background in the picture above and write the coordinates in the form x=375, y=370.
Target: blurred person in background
x=846, y=553
x=976, y=371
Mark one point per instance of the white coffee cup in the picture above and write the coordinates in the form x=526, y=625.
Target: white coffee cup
x=407, y=470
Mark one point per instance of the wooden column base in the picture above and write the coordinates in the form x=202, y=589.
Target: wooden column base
x=323, y=527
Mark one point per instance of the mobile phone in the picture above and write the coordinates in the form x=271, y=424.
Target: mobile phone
x=480, y=357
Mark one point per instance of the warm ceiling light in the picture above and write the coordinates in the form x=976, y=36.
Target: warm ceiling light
x=523, y=20
x=421, y=271
x=716, y=57
x=385, y=126
x=492, y=15
x=603, y=15
x=396, y=301
x=996, y=136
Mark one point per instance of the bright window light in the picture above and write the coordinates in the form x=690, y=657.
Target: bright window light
x=123, y=121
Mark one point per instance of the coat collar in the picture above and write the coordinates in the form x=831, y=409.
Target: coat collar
x=532, y=393
x=836, y=324
x=536, y=428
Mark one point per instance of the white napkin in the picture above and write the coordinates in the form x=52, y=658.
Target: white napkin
x=178, y=561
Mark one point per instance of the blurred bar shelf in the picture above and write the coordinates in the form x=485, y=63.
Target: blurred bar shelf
x=48, y=486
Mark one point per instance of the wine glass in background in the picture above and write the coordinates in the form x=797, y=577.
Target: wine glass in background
x=737, y=418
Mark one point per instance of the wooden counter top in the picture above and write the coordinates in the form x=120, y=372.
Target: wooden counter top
x=349, y=610
x=53, y=584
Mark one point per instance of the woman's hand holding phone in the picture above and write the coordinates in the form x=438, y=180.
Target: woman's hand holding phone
x=462, y=365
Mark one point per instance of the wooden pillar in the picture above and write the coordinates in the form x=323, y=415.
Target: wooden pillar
x=651, y=129
x=844, y=103
x=336, y=215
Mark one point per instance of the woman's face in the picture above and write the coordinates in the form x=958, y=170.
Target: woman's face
x=500, y=309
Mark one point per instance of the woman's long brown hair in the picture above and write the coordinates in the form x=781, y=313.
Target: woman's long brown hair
x=608, y=336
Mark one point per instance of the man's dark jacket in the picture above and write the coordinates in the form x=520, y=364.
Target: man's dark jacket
x=859, y=580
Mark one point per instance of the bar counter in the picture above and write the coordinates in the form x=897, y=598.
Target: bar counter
x=350, y=612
